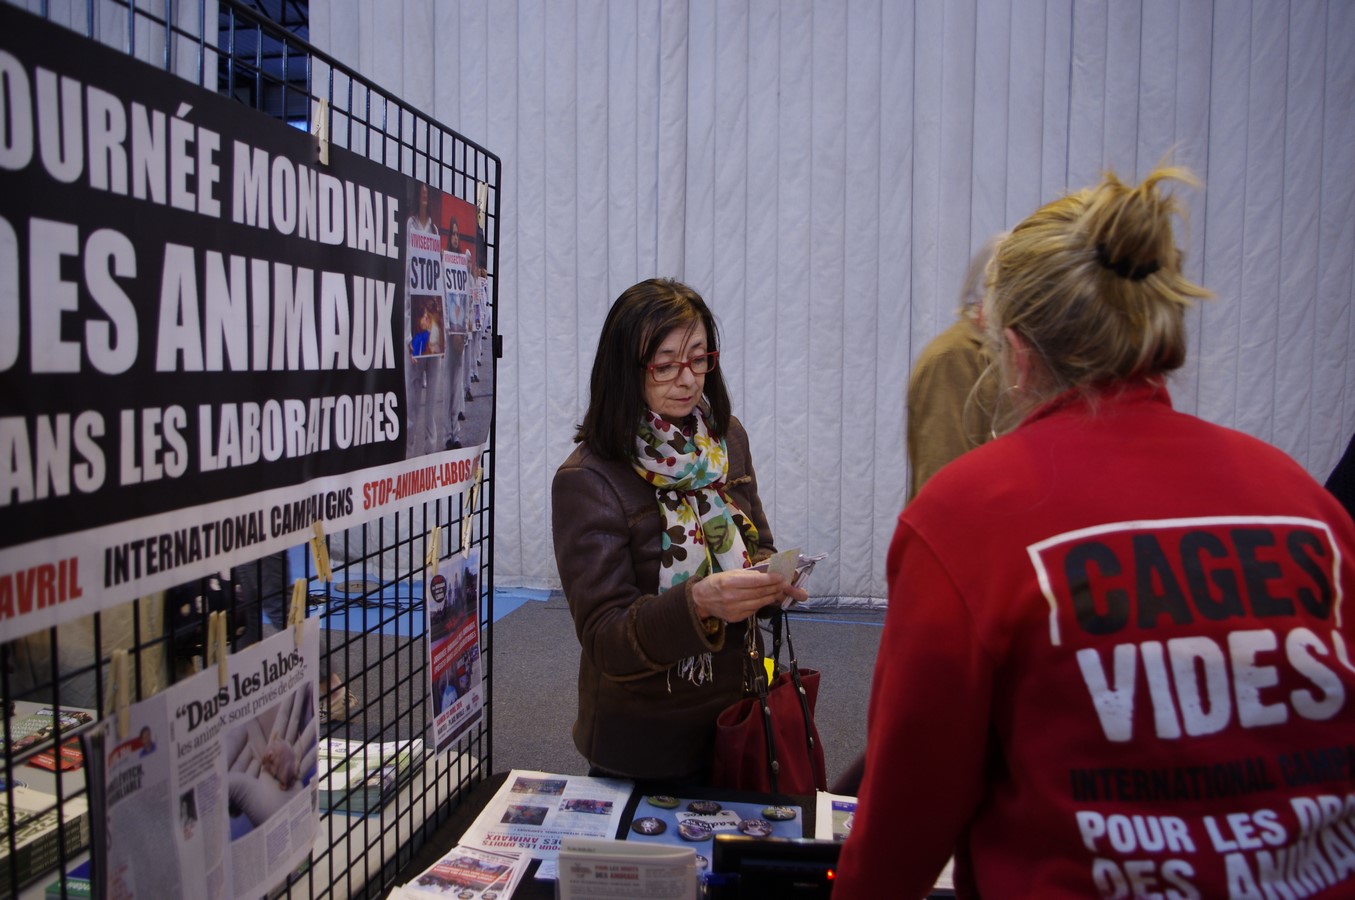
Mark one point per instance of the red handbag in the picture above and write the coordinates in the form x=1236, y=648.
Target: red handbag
x=768, y=742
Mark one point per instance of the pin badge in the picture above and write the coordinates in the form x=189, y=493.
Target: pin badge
x=755, y=827
x=649, y=825
x=695, y=830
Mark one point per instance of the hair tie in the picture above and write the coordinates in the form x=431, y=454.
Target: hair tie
x=1123, y=268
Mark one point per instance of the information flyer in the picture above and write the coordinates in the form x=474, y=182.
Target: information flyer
x=467, y=873
x=534, y=811
x=452, y=602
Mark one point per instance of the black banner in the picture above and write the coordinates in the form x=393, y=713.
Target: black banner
x=204, y=335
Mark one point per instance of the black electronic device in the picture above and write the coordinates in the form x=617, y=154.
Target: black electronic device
x=772, y=868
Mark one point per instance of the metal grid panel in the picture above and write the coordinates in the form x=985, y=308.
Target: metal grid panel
x=256, y=53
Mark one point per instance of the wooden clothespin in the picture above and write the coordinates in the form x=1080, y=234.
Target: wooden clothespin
x=296, y=613
x=121, y=692
x=216, y=645
x=434, y=551
x=209, y=646
x=481, y=202
x=320, y=128
x=222, y=649
x=468, y=514
x=320, y=554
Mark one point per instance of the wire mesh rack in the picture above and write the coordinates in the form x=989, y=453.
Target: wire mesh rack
x=374, y=634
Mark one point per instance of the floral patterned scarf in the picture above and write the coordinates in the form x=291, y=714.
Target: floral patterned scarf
x=704, y=531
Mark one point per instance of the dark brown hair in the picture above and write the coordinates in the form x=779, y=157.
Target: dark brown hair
x=636, y=325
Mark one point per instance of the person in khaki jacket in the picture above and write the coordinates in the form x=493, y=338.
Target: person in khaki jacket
x=951, y=402
x=951, y=405
x=656, y=519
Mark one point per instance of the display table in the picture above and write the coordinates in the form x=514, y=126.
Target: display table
x=531, y=888
x=441, y=842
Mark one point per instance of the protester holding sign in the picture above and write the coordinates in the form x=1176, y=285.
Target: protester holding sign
x=426, y=380
x=457, y=266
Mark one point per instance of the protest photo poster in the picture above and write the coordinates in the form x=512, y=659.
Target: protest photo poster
x=439, y=312
x=206, y=335
x=211, y=793
x=452, y=601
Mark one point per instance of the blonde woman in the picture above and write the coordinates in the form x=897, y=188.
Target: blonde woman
x=1114, y=662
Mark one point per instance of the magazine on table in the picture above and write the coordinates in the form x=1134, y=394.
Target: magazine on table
x=534, y=811
x=39, y=829
x=468, y=873
x=77, y=885
x=29, y=728
x=67, y=758
x=357, y=777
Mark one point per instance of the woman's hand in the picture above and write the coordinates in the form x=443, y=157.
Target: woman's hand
x=734, y=596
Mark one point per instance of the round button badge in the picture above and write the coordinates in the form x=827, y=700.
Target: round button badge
x=695, y=830
x=704, y=807
x=755, y=827
x=649, y=825
x=778, y=813
x=663, y=801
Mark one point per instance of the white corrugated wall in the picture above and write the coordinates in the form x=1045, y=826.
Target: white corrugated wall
x=822, y=171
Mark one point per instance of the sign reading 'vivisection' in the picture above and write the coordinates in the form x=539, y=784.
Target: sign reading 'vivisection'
x=209, y=341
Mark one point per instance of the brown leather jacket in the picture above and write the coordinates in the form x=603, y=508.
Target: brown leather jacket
x=637, y=717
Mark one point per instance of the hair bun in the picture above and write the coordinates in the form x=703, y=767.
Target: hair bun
x=1130, y=229
x=1123, y=267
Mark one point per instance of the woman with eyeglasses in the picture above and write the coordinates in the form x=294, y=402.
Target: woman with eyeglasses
x=656, y=521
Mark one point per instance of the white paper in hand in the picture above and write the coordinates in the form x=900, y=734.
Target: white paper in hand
x=783, y=564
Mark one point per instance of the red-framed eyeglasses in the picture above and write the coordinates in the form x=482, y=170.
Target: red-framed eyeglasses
x=669, y=371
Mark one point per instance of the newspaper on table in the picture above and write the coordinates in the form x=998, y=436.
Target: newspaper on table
x=534, y=811
x=468, y=873
x=455, y=670
x=211, y=793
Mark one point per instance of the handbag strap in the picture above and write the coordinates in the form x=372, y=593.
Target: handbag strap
x=781, y=620
x=780, y=623
x=758, y=676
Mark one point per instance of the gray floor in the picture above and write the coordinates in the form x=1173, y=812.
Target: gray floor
x=536, y=666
